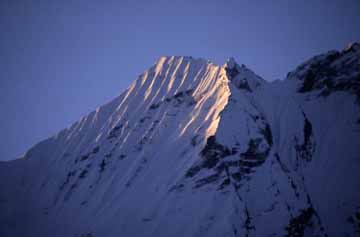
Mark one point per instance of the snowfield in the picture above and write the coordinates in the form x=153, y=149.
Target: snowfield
x=196, y=149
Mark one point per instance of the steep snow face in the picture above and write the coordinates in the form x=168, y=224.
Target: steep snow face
x=196, y=149
x=327, y=153
x=133, y=147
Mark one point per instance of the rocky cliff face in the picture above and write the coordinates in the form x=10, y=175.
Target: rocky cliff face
x=196, y=149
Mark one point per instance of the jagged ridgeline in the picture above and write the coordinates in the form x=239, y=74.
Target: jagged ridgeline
x=197, y=149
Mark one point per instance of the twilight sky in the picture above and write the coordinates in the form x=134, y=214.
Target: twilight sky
x=59, y=60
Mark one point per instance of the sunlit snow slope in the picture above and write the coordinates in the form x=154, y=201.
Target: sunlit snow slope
x=196, y=149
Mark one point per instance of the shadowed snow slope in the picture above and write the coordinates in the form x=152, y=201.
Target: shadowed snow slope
x=196, y=149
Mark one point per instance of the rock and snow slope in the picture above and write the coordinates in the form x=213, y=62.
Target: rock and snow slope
x=196, y=149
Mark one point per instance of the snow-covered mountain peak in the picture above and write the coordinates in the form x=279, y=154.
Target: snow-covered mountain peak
x=241, y=76
x=214, y=148
x=166, y=60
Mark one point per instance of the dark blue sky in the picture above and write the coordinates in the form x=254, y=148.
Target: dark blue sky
x=59, y=60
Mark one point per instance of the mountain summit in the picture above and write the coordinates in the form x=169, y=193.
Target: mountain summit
x=192, y=148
